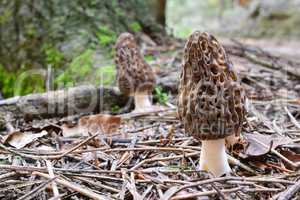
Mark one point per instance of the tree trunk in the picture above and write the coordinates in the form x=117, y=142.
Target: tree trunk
x=160, y=14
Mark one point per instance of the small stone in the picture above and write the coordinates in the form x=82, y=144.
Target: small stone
x=297, y=87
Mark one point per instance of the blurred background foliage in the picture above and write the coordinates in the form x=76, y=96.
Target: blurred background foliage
x=243, y=18
x=74, y=39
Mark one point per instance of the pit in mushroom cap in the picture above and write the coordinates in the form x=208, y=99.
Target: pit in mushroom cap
x=134, y=76
x=210, y=100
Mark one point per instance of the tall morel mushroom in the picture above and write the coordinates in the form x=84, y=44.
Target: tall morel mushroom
x=134, y=76
x=211, y=100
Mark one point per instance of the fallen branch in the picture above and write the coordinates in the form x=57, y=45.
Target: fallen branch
x=84, y=191
x=290, y=192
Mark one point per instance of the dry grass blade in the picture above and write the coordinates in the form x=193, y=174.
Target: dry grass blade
x=208, y=193
x=36, y=190
x=7, y=175
x=51, y=174
x=295, y=122
x=84, y=191
x=97, y=184
x=163, y=159
x=76, y=147
x=290, y=192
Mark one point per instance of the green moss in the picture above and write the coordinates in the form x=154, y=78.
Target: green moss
x=67, y=42
x=105, y=75
x=7, y=80
x=80, y=67
x=52, y=55
x=4, y=17
x=106, y=36
x=22, y=82
x=31, y=81
x=80, y=70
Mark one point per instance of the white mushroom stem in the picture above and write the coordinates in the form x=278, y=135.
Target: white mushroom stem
x=213, y=157
x=142, y=102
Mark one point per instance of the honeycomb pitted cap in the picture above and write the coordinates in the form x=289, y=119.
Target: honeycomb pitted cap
x=133, y=73
x=210, y=98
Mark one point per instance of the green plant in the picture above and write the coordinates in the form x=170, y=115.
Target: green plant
x=160, y=96
x=80, y=67
x=149, y=58
x=7, y=80
x=115, y=108
x=53, y=56
x=106, y=36
x=135, y=27
x=5, y=16
x=21, y=82
x=30, y=81
x=105, y=75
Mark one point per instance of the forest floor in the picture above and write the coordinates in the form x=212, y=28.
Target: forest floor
x=280, y=47
x=149, y=156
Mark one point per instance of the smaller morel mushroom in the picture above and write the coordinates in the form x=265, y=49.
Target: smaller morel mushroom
x=134, y=76
x=211, y=100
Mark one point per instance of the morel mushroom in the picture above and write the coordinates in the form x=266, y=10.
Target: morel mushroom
x=134, y=76
x=211, y=100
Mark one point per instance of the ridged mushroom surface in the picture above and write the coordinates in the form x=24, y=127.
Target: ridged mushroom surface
x=211, y=100
x=134, y=75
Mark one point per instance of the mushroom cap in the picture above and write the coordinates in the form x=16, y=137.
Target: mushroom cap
x=133, y=73
x=210, y=100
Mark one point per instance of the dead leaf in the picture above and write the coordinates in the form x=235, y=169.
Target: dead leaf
x=292, y=156
x=102, y=123
x=260, y=165
x=232, y=140
x=295, y=101
x=170, y=135
x=92, y=124
x=139, y=176
x=125, y=157
x=259, y=144
x=72, y=131
x=279, y=166
x=20, y=139
x=41, y=127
